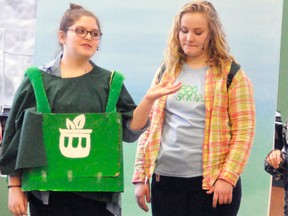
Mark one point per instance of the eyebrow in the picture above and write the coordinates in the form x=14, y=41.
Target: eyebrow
x=182, y=26
x=95, y=29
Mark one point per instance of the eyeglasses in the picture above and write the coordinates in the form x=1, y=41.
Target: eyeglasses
x=82, y=33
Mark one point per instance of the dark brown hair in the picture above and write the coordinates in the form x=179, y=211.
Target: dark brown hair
x=73, y=14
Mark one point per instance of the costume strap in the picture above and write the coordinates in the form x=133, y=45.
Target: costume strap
x=116, y=82
x=35, y=78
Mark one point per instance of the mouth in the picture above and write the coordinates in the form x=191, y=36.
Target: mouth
x=191, y=45
x=86, y=45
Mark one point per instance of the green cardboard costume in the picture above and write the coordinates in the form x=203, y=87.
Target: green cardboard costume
x=73, y=141
x=86, y=94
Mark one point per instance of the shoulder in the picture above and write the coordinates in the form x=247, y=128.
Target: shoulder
x=230, y=66
x=101, y=70
x=52, y=67
x=240, y=78
x=105, y=74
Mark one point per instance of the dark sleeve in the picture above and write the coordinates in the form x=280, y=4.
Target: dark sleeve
x=279, y=132
x=126, y=106
x=278, y=141
x=24, y=98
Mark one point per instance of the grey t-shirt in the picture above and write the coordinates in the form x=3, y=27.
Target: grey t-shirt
x=180, y=152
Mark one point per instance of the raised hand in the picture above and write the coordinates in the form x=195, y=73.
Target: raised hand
x=162, y=89
x=141, y=113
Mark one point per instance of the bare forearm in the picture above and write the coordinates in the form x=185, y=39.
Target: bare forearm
x=14, y=180
x=141, y=114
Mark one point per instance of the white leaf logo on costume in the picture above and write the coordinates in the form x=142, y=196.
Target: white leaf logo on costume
x=74, y=133
x=70, y=124
x=79, y=121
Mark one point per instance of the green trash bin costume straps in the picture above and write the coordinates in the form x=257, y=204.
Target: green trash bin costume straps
x=116, y=82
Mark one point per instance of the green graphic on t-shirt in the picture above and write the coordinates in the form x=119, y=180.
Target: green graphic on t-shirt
x=189, y=93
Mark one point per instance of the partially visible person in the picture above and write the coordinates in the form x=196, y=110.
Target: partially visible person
x=1, y=132
x=73, y=84
x=276, y=160
x=200, y=138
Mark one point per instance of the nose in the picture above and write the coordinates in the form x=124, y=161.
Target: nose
x=190, y=36
x=88, y=36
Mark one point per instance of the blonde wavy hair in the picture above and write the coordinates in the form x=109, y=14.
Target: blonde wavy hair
x=218, y=49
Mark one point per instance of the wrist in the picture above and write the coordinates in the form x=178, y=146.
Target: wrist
x=148, y=100
x=224, y=180
x=14, y=186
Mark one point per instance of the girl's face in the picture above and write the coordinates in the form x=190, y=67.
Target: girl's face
x=194, y=35
x=75, y=43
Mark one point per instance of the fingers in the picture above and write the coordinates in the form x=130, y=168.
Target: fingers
x=215, y=200
x=164, y=88
x=23, y=209
x=142, y=195
x=170, y=89
x=12, y=210
x=274, y=158
x=166, y=84
x=215, y=197
x=17, y=202
x=18, y=210
x=221, y=199
x=176, y=87
x=222, y=193
x=142, y=204
x=210, y=191
x=148, y=198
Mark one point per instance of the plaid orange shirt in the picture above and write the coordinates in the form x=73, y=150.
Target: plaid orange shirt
x=228, y=134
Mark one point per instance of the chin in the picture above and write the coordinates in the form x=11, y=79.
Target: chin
x=194, y=53
x=87, y=55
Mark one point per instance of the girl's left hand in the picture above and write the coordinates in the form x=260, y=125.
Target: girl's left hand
x=222, y=192
x=162, y=89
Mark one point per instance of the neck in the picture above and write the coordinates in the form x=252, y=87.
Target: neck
x=74, y=67
x=197, y=62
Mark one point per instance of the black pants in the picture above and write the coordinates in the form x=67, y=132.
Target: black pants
x=172, y=196
x=67, y=204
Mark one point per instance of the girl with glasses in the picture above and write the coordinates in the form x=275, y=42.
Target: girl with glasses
x=73, y=84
